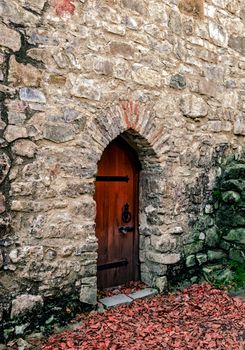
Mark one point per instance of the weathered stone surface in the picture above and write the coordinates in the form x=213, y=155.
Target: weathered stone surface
x=161, y=283
x=2, y=203
x=58, y=133
x=193, y=106
x=16, y=118
x=167, y=259
x=178, y=81
x=24, y=148
x=237, y=43
x=193, y=248
x=1, y=265
x=14, y=132
x=146, y=76
x=193, y=8
x=86, y=88
x=121, y=49
x=4, y=166
x=231, y=197
x=138, y=6
x=201, y=258
x=26, y=303
x=212, y=237
x=216, y=255
x=32, y=95
x=23, y=75
x=218, y=34
x=237, y=255
x=239, y=125
x=236, y=235
x=9, y=38
x=190, y=260
x=88, y=294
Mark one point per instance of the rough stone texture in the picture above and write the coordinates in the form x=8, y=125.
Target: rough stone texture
x=23, y=75
x=193, y=106
x=115, y=300
x=169, y=76
x=9, y=38
x=26, y=303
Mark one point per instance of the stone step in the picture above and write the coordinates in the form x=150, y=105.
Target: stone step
x=115, y=300
x=143, y=293
x=120, y=299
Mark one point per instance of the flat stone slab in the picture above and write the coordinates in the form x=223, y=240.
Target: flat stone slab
x=115, y=300
x=143, y=293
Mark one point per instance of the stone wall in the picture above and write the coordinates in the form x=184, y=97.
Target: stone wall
x=169, y=75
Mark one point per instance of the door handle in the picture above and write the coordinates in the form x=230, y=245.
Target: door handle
x=126, y=229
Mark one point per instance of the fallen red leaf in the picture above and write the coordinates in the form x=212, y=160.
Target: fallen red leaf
x=199, y=317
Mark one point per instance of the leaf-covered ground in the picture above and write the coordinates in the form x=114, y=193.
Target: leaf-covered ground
x=199, y=317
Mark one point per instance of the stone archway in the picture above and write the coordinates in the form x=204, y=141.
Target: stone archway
x=158, y=249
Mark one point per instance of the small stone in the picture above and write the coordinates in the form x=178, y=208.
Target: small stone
x=231, y=197
x=175, y=23
x=193, y=8
x=201, y=258
x=161, y=283
x=88, y=294
x=236, y=235
x=239, y=125
x=19, y=330
x=178, y=81
x=2, y=203
x=4, y=166
x=212, y=237
x=217, y=34
x=9, y=38
x=1, y=263
x=16, y=118
x=36, y=339
x=190, y=261
x=24, y=148
x=58, y=133
x=208, y=209
x=23, y=74
x=115, y=300
x=103, y=66
x=32, y=95
x=14, y=132
x=193, y=106
x=118, y=48
x=216, y=255
x=86, y=88
x=193, y=248
x=237, y=43
x=146, y=76
x=209, y=87
x=131, y=23
x=167, y=259
x=237, y=255
x=25, y=303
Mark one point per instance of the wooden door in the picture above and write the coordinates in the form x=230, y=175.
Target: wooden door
x=117, y=215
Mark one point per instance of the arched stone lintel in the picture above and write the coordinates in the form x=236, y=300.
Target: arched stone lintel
x=130, y=117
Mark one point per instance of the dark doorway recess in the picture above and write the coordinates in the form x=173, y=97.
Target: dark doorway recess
x=117, y=191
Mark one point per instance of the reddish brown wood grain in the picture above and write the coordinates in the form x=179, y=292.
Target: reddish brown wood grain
x=118, y=159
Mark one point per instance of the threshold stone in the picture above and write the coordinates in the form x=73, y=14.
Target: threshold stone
x=143, y=293
x=115, y=300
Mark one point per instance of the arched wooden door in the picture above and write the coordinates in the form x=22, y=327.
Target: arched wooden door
x=117, y=215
